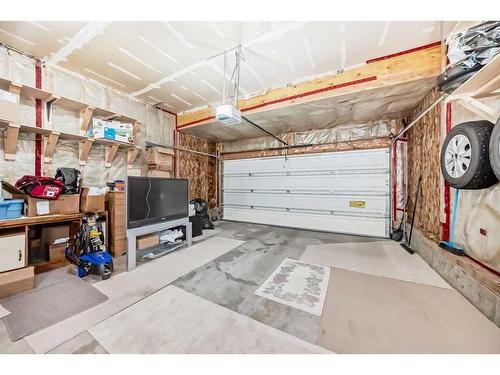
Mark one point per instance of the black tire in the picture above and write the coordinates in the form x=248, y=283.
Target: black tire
x=478, y=174
x=449, y=86
x=495, y=149
x=453, y=77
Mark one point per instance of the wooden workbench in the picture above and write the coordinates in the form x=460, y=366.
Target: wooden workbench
x=37, y=220
x=24, y=224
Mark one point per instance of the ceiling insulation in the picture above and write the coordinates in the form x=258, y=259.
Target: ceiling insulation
x=375, y=104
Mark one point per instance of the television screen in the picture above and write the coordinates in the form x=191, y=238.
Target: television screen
x=152, y=200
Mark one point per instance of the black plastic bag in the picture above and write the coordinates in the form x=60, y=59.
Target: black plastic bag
x=201, y=209
x=470, y=51
x=70, y=177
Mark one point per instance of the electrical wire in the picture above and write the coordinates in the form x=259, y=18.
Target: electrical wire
x=147, y=200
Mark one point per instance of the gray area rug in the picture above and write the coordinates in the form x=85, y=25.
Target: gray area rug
x=57, y=295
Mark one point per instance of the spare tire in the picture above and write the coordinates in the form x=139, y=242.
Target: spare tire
x=495, y=149
x=453, y=77
x=465, y=161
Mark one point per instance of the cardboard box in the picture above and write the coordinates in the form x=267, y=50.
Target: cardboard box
x=52, y=233
x=113, y=130
x=16, y=281
x=161, y=166
x=150, y=240
x=155, y=173
x=65, y=204
x=9, y=107
x=91, y=203
x=57, y=252
x=159, y=155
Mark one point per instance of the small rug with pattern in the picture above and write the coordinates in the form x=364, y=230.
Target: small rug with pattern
x=297, y=284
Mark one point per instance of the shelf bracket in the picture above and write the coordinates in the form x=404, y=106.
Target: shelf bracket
x=110, y=154
x=50, y=147
x=10, y=141
x=136, y=127
x=85, y=117
x=132, y=154
x=15, y=88
x=480, y=109
x=84, y=149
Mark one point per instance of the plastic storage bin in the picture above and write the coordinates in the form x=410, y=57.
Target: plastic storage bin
x=11, y=208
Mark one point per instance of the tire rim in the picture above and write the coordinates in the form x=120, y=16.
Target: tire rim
x=458, y=155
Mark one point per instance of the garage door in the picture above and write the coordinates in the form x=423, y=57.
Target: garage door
x=344, y=192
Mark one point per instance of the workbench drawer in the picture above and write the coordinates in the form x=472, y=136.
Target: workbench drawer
x=12, y=251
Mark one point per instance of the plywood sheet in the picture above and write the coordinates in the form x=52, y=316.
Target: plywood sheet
x=201, y=170
x=424, y=145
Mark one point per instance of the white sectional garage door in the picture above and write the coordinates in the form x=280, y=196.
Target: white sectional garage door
x=344, y=192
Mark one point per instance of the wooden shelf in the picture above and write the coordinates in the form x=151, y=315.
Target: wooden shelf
x=36, y=220
x=68, y=103
x=485, y=83
x=53, y=136
x=86, y=113
x=25, y=91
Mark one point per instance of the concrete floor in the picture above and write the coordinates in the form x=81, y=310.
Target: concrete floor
x=232, y=279
x=226, y=287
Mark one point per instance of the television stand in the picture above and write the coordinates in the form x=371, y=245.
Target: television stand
x=148, y=229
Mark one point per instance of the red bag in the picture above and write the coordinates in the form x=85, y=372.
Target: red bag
x=40, y=187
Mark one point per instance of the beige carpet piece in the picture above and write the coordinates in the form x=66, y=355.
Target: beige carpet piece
x=370, y=314
x=3, y=312
x=130, y=287
x=175, y=321
x=380, y=258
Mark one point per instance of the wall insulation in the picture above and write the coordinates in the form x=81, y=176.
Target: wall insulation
x=156, y=126
x=424, y=145
x=201, y=170
x=344, y=137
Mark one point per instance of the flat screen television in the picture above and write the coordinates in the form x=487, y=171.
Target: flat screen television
x=152, y=200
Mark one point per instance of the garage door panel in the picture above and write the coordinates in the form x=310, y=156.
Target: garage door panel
x=370, y=160
x=345, y=192
x=357, y=204
x=340, y=224
x=373, y=182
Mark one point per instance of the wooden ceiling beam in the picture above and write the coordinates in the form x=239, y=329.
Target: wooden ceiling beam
x=400, y=68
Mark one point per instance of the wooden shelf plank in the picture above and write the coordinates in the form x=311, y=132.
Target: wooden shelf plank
x=104, y=113
x=110, y=142
x=44, y=219
x=476, y=85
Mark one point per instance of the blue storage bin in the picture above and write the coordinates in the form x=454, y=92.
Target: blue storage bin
x=11, y=208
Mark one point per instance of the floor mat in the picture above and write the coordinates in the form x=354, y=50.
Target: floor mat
x=370, y=314
x=128, y=288
x=175, y=321
x=381, y=258
x=297, y=284
x=57, y=296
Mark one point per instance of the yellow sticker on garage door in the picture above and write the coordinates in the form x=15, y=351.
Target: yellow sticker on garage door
x=357, y=204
